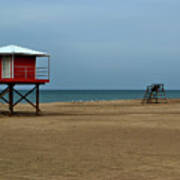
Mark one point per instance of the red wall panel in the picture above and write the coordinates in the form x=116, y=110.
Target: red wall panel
x=0, y=67
x=24, y=67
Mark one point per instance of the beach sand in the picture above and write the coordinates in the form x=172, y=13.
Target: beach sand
x=110, y=140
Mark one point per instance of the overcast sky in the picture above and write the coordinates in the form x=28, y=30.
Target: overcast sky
x=99, y=44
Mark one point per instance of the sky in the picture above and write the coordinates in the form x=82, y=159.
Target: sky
x=99, y=44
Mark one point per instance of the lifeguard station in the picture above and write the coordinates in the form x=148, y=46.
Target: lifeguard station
x=18, y=66
x=155, y=93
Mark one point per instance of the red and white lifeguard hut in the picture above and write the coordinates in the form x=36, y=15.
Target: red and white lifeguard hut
x=18, y=65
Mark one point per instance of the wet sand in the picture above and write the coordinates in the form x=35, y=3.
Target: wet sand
x=91, y=141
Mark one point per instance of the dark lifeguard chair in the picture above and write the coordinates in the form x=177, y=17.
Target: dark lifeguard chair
x=155, y=93
x=18, y=66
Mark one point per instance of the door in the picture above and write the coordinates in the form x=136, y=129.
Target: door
x=6, y=67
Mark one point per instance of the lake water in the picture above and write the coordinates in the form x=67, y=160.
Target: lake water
x=93, y=95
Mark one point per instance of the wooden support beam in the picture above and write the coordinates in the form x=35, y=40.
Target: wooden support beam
x=23, y=97
x=11, y=87
x=37, y=99
x=3, y=93
x=10, y=91
x=5, y=100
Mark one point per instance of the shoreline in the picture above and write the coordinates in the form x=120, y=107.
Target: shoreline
x=101, y=101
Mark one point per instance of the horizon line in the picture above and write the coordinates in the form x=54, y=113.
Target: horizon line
x=95, y=89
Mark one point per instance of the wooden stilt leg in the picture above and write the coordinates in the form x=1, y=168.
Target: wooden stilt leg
x=11, y=98
x=37, y=99
x=10, y=90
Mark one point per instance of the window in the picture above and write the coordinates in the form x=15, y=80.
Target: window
x=6, y=67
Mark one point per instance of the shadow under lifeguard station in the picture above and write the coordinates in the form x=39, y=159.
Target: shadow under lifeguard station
x=18, y=66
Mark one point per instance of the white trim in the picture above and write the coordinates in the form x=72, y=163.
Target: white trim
x=35, y=68
x=12, y=66
x=48, y=67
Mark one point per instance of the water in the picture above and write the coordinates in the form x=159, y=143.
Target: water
x=92, y=95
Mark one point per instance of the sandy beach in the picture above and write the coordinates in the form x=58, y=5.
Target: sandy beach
x=105, y=140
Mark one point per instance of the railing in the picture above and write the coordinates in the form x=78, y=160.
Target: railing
x=29, y=72
x=42, y=73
